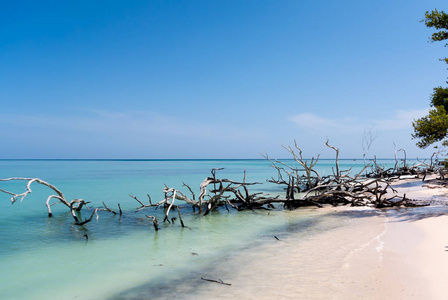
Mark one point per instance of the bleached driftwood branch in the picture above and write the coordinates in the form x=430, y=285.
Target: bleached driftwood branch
x=75, y=205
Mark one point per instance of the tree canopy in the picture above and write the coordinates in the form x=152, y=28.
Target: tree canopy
x=434, y=127
x=431, y=128
x=438, y=20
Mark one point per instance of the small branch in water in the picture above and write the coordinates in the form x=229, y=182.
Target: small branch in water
x=276, y=238
x=108, y=209
x=155, y=222
x=87, y=220
x=217, y=281
x=180, y=218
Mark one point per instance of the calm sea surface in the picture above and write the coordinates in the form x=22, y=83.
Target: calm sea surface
x=49, y=258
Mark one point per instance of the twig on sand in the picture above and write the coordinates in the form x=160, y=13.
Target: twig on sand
x=217, y=281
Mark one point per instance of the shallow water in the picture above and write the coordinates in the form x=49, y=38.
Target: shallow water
x=42, y=258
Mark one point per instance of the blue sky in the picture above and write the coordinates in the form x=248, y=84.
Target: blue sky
x=213, y=79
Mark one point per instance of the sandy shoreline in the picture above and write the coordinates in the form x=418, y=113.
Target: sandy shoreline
x=347, y=253
x=391, y=254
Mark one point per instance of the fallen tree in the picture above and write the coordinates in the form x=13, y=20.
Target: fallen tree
x=341, y=188
x=74, y=206
x=302, y=183
x=224, y=192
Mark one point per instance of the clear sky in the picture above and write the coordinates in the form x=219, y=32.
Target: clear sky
x=213, y=79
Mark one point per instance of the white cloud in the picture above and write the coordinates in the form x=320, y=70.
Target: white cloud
x=401, y=119
x=347, y=133
x=307, y=120
x=314, y=123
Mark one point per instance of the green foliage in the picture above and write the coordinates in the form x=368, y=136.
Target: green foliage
x=431, y=128
x=434, y=127
x=444, y=163
x=438, y=20
x=440, y=97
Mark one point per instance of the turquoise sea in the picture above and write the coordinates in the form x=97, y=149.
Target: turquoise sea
x=124, y=258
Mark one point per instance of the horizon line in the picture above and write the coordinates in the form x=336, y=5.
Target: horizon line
x=182, y=159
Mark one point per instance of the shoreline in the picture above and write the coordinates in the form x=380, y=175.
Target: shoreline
x=322, y=253
x=379, y=254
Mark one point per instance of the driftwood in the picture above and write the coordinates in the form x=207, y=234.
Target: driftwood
x=341, y=188
x=367, y=141
x=402, y=168
x=299, y=179
x=225, y=192
x=75, y=205
x=304, y=186
x=217, y=281
x=155, y=222
x=108, y=209
x=59, y=196
x=89, y=219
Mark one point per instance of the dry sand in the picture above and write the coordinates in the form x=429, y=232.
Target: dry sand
x=415, y=261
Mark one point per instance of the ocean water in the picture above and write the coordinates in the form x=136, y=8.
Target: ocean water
x=124, y=258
